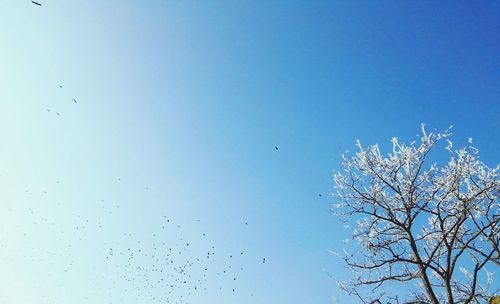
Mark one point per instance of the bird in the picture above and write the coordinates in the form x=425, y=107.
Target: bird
x=263, y=260
x=36, y=3
x=320, y=195
x=74, y=100
x=276, y=148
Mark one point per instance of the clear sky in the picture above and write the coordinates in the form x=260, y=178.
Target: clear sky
x=179, y=108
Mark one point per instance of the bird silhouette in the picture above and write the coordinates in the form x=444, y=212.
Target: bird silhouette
x=74, y=100
x=36, y=3
x=276, y=148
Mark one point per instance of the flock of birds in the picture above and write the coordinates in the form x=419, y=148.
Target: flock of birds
x=171, y=272
x=58, y=113
x=174, y=262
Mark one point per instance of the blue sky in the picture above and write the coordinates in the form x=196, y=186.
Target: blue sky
x=180, y=106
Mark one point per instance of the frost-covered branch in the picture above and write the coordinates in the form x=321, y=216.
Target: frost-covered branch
x=417, y=221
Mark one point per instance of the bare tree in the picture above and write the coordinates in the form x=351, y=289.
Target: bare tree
x=434, y=228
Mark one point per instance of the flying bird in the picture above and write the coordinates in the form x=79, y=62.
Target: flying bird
x=36, y=3
x=74, y=100
x=276, y=148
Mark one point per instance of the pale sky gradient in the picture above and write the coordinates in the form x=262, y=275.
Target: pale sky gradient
x=179, y=108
